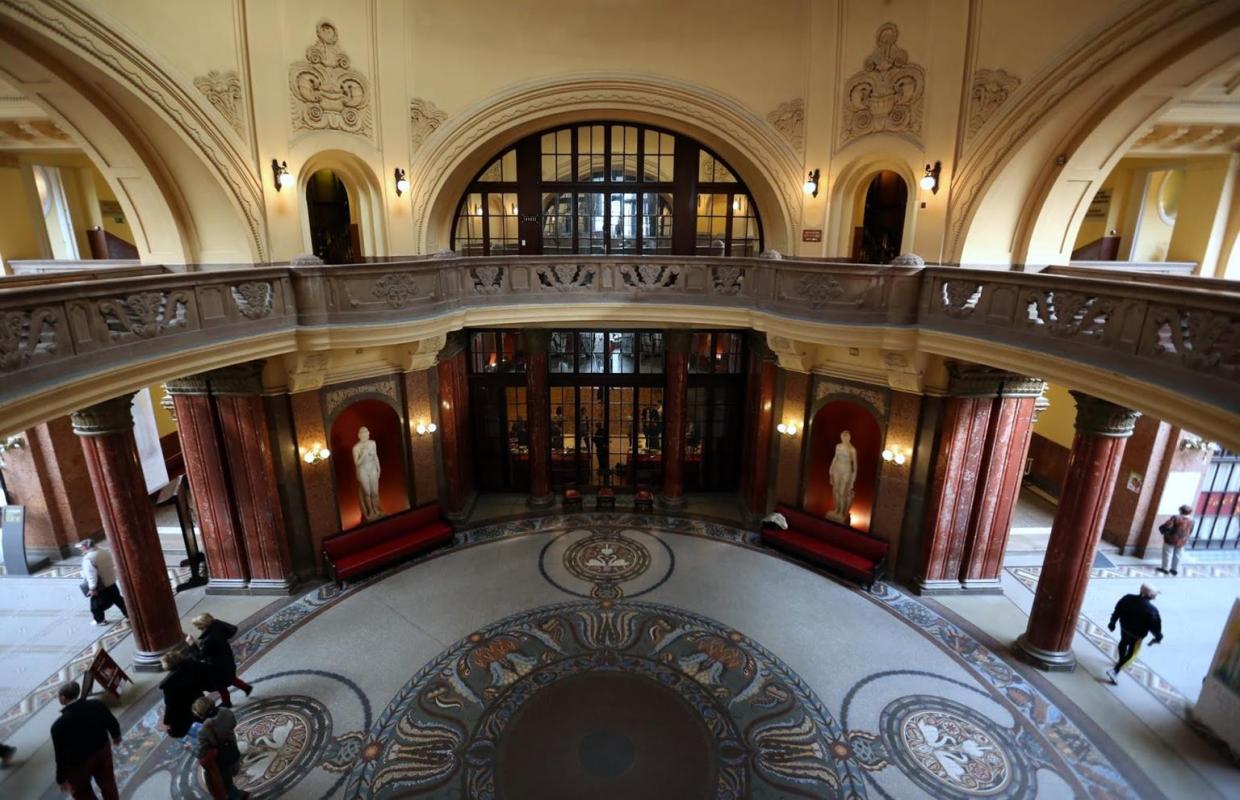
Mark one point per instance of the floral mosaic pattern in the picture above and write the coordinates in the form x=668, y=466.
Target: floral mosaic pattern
x=770, y=732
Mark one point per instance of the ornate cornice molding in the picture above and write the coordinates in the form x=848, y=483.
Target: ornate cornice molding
x=973, y=380
x=465, y=132
x=188, y=385
x=1095, y=417
x=110, y=416
x=239, y=380
x=91, y=38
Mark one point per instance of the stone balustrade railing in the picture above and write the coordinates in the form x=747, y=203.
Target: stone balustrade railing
x=1186, y=336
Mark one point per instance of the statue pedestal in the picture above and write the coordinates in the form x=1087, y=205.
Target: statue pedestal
x=843, y=519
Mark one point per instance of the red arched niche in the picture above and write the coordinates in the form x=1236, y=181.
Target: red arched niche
x=825, y=428
x=385, y=428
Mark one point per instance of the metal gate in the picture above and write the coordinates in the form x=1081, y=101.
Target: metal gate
x=1218, y=504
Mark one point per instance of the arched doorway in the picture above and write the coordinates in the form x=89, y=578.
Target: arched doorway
x=334, y=233
x=384, y=428
x=835, y=417
x=877, y=240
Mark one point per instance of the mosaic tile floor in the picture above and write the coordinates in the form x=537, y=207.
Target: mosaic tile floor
x=444, y=677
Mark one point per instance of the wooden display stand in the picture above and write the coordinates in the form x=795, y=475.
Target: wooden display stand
x=106, y=672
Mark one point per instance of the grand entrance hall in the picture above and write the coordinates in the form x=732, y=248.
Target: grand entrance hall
x=796, y=398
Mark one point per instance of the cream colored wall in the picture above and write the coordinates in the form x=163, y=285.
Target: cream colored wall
x=18, y=234
x=1153, y=235
x=1057, y=421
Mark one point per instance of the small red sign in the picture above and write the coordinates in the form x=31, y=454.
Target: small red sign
x=811, y=234
x=106, y=672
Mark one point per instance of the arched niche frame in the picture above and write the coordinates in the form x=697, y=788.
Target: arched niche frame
x=853, y=179
x=866, y=423
x=463, y=145
x=366, y=197
x=384, y=419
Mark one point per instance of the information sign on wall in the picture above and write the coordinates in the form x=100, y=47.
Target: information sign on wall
x=811, y=234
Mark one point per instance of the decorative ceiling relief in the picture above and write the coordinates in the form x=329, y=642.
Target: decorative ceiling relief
x=223, y=90
x=886, y=95
x=424, y=118
x=789, y=120
x=328, y=94
x=991, y=88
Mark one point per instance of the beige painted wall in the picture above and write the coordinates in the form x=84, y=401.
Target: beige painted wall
x=1057, y=421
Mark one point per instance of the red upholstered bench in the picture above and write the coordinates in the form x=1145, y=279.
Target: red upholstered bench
x=384, y=542
x=842, y=550
x=572, y=499
x=606, y=498
x=643, y=501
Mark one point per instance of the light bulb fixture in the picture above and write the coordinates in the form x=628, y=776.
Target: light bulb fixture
x=315, y=453
x=280, y=175
x=895, y=455
x=787, y=428
x=402, y=183
x=930, y=180
x=811, y=184
x=423, y=428
x=736, y=204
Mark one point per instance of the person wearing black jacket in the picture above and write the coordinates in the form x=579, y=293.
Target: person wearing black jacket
x=185, y=684
x=1137, y=618
x=216, y=656
x=80, y=738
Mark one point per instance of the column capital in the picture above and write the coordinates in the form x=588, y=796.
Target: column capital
x=110, y=416
x=239, y=379
x=975, y=380
x=190, y=384
x=1096, y=417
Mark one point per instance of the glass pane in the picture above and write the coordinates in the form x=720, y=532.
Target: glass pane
x=468, y=240
x=623, y=223
x=518, y=430
x=561, y=356
x=557, y=222
x=623, y=153
x=563, y=423
x=503, y=168
x=591, y=223
x=649, y=466
x=699, y=353
x=657, y=222
x=593, y=465
x=712, y=170
x=712, y=220
x=620, y=434
x=590, y=153
x=651, y=355
x=502, y=224
x=590, y=352
x=557, y=155
x=658, y=156
x=485, y=353
x=620, y=352
x=728, y=347
x=745, y=240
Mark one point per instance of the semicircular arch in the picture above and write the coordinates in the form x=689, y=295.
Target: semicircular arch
x=850, y=184
x=364, y=189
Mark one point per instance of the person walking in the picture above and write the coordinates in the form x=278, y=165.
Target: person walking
x=80, y=738
x=217, y=751
x=6, y=755
x=1137, y=618
x=1175, y=532
x=185, y=684
x=216, y=656
x=100, y=578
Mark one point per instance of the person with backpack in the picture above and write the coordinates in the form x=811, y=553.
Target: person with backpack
x=1175, y=532
x=1137, y=618
x=217, y=751
x=213, y=651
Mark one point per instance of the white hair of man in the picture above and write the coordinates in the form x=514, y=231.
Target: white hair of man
x=1148, y=591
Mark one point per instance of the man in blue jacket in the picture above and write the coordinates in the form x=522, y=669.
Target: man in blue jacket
x=1137, y=618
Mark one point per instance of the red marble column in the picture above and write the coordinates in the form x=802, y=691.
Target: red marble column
x=237, y=394
x=454, y=434
x=129, y=521
x=538, y=416
x=675, y=402
x=199, y=432
x=759, y=430
x=1007, y=445
x=1102, y=429
x=958, y=463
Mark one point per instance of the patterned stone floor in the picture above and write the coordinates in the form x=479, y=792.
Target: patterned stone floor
x=532, y=657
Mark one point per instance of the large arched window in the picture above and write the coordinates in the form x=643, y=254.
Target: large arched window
x=605, y=187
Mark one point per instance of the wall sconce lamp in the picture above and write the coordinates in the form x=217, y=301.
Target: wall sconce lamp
x=1189, y=442
x=15, y=442
x=787, y=428
x=280, y=174
x=811, y=184
x=402, y=183
x=315, y=453
x=424, y=428
x=895, y=454
x=930, y=181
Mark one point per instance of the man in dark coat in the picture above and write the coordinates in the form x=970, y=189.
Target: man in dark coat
x=80, y=738
x=1137, y=618
x=185, y=684
x=215, y=655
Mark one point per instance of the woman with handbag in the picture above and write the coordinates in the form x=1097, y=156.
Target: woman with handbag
x=1175, y=532
x=217, y=751
x=214, y=652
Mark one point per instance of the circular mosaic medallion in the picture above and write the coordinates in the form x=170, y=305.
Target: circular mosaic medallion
x=953, y=751
x=606, y=700
x=280, y=738
x=606, y=563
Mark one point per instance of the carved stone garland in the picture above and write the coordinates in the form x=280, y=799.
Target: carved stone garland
x=253, y=298
x=223, y=90
x=24, y=335
x=144, y=314
x=326, y=93
x=886, y=95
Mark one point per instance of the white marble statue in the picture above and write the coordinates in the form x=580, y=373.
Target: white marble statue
x=843, y=477
x=366, y=464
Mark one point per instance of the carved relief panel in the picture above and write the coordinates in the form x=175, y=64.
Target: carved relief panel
x=887, y=95
x=326, y=92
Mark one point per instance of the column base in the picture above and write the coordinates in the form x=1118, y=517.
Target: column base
x=672, y=503
x=1046, y=660
x=144, y=661
x=275, y=586
x=931, y=587
x=982, y=586
x=227, y=586
x=545, y=501
x=467, y=509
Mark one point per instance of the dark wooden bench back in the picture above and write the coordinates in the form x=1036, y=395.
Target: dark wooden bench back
x=834, y=534
x=380, y=531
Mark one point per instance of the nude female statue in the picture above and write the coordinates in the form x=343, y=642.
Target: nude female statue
x=843, y=475
x=366, y=464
